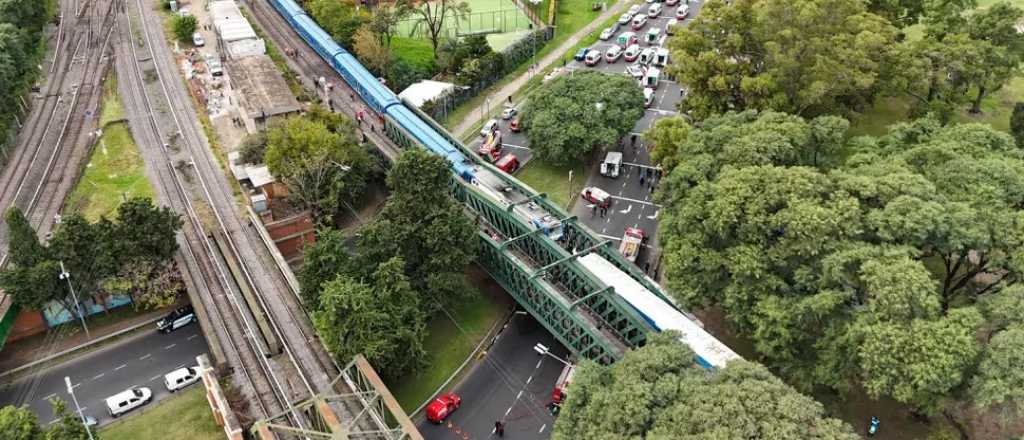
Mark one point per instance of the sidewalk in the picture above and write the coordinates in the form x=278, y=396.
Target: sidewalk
x=67, y=336
x=548, y=60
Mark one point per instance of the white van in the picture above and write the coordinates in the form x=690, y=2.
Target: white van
x=661, y=57
x=181, y=378
x=648, y=97
x=489, y=127
x=612, y=164
x=646, y=56
x=128, y=400
x=652, y=77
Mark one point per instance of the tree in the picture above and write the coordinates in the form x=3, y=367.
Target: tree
x=321, y=263
x=371, y=51
x=341, y=19
x=1017, y=123
x=574, y=114
x=432, y=16
x=425, y=226
x=808, y=57
x=1000, y=380
x=664, y=138
x=19, y=424
x=657, y=392
x=183, y=27
x=146, y=232
x=151, y=285
x=901, y=13
x=24, y=248
x=385, y=21
x=380, y=318
x=89, y=251
x=253, y=147
x=69, y=427
x=323, y=169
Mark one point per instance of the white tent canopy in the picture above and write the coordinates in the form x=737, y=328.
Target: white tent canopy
x=424, y=91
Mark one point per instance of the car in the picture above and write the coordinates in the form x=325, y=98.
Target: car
x=625, y=18
x=197, y=40
x=441, y=407
x=626, y=39
x=670, y=26
x=178, y=318
x=128, y=400
x=607, y=33
x=682, y=12
x=635, y=9
x=671, y=2
x=646, y=56
x=181, y=378
x=654, y=10
x=639, y=21
x=613, y=54
x=580, y=55
x=514, y=125
x=653, y=36
x=489, y=127
x=635, y=71
x=596, y=196
x=509, y=113
x=90, y=421
x=648, y=97
x=593, y=57
x=214, y=64
x=632, y=52
x=508, y=163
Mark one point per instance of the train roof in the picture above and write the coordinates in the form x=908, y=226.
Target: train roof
x=661, y=315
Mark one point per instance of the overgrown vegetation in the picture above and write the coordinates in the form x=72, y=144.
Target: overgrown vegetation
x=21, y=32
x=22, y=424
x=183, y=26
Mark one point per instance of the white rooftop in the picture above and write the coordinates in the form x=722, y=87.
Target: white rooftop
x=424, y=91
x=229, y=22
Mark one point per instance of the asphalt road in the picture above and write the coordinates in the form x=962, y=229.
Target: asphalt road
x=513, y=383
x=137, y=361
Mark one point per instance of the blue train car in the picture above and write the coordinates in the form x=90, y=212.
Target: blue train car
x=288, y=8
x=317, y=38
x=363, y=82
x=432, y=140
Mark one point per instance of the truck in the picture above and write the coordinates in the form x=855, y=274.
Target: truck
x=559, y=393
x=611, y=164
x=632, y=240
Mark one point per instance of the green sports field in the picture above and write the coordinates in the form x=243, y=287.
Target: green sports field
x=500, y=19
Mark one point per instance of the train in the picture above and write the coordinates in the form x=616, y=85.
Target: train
x=659, y=314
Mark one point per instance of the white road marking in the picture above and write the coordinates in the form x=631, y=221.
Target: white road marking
x=639, y=165
x=508, y=411
x=170, y=346
x=538, y=363
x=542, y=427
x=145, y=357
x=154, y=377
x=626, y=211
x=50, y=396
x=53, y=421
x=120, y=367
x=191, y=337
x=519, y=395
x=98, y=376
x=655, y=216
x=75, y=385
x=529, y=379
x=636, y=201
x=516, y=146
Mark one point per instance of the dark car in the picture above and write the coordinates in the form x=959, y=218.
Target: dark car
x=581, y=54
x=179, y=318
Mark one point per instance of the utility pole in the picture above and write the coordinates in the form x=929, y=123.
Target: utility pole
x=64, y=275
x=78, y=409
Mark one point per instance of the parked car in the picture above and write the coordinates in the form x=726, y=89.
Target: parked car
x=671, y=2
x=654, y=10
x=607, y=33
x=635, y=9
x=178, y=318
x=509, y=163
x=625, y=18
x=214, y=64
x=652, y=36
x=597, y=196
x=128, y=400
x=639, y=21
x=632, y=52
x=509, y=113
x=646, y=56
x=181, y=378
x=489, y=127
x=197, y=40
x=442, y=407
x=593, y=57
x=613, y=54
x=682, y=12
x=648, y=97
x=514, y=125
x=580, y=54
x=635, y=71
x=670, y=27
x=626, y=39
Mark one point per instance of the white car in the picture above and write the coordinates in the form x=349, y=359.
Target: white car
x=128, y=400
x=613, y=54
x=181, y=378
x=198, y=40
x=625, y=18
x=635, y=9
x=489, y=127
x=635, y=71
x=654, y=10
x=607, y=33
x=669, y=28
x=509, y=113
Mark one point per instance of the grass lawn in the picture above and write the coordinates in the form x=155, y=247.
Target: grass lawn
x=572, y=16
x=448, y=347
x=415, y=51
x=553, y=180
x=186, y=416
x=115, y=169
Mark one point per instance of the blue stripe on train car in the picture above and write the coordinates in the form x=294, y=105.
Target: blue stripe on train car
x=321, y=42
x=376, y=94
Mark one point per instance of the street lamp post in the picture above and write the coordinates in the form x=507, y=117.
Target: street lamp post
x=571, y=192
x=78, y=409
x=543, y=350
x=64, y=275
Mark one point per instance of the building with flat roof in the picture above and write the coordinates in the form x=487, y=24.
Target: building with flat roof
x=235, y=36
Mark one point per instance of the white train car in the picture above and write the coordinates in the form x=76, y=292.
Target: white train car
x=711, y=353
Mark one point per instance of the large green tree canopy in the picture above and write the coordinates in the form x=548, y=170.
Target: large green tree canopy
x=574, y=114
x=807, y=57
x=657, y=392
x=868, y=269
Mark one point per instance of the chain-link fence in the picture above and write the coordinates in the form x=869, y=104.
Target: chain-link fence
x=491, y=22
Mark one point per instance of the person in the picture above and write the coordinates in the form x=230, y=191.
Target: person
x=499, y=428
x=509, y=99
x=873, y=427
x=632, y=139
